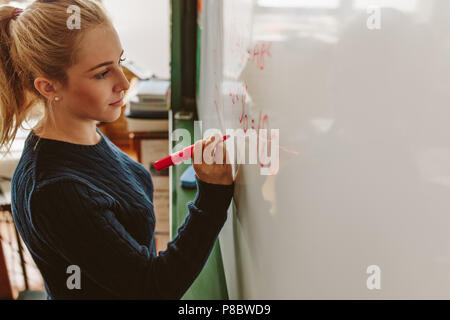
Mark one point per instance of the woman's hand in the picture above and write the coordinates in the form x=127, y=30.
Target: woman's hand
x=214, y=167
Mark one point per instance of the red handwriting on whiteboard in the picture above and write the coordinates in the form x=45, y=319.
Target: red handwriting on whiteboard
x=236, y=41
x=218, y=98
x=237, y=45
x=246, y=120
x=259, y=52
x=264, y=125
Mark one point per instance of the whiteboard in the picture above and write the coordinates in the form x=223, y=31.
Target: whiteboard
x=360, y=91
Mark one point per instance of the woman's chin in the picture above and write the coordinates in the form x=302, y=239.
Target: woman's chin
x=112, y=116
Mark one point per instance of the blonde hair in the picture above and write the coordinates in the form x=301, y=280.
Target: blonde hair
x=38, y=42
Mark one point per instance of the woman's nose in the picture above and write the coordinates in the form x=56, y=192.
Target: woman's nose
x=123, y=83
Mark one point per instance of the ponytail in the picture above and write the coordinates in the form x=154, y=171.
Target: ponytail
x=12, y=92
x=36, y=42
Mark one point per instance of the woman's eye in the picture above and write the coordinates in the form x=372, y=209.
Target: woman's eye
x=101, y=75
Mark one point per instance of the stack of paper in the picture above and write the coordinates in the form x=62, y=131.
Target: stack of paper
x=152, y=95
x=148, y=109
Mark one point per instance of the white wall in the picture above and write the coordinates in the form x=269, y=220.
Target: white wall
x=144, y=30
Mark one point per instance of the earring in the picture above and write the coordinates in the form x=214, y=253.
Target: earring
x=57, y=98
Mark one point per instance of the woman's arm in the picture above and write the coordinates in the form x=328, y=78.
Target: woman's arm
x=79, y=223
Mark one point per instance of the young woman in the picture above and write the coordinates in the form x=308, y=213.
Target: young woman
x=80, y=203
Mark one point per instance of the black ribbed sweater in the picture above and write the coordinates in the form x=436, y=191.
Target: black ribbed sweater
x=91, y=206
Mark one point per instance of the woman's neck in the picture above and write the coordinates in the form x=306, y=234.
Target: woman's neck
x=53, y=133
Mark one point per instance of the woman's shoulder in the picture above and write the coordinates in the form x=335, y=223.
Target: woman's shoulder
x=35, y=173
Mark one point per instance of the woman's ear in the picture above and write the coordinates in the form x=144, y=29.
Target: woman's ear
x=46, y=87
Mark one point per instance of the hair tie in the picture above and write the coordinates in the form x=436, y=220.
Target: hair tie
x=15, y=13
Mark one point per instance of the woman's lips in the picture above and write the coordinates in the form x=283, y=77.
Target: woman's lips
x=117, y=104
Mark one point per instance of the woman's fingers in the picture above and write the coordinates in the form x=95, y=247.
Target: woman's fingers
x=198, y=151
x=211, y=150
x=208, y=169
x=221, y=154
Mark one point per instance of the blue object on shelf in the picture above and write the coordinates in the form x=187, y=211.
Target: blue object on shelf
x=188, y=178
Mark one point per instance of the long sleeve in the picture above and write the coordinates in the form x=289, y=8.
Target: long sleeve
x=79, y=224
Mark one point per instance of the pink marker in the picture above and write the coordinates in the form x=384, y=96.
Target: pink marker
x=177, y=157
